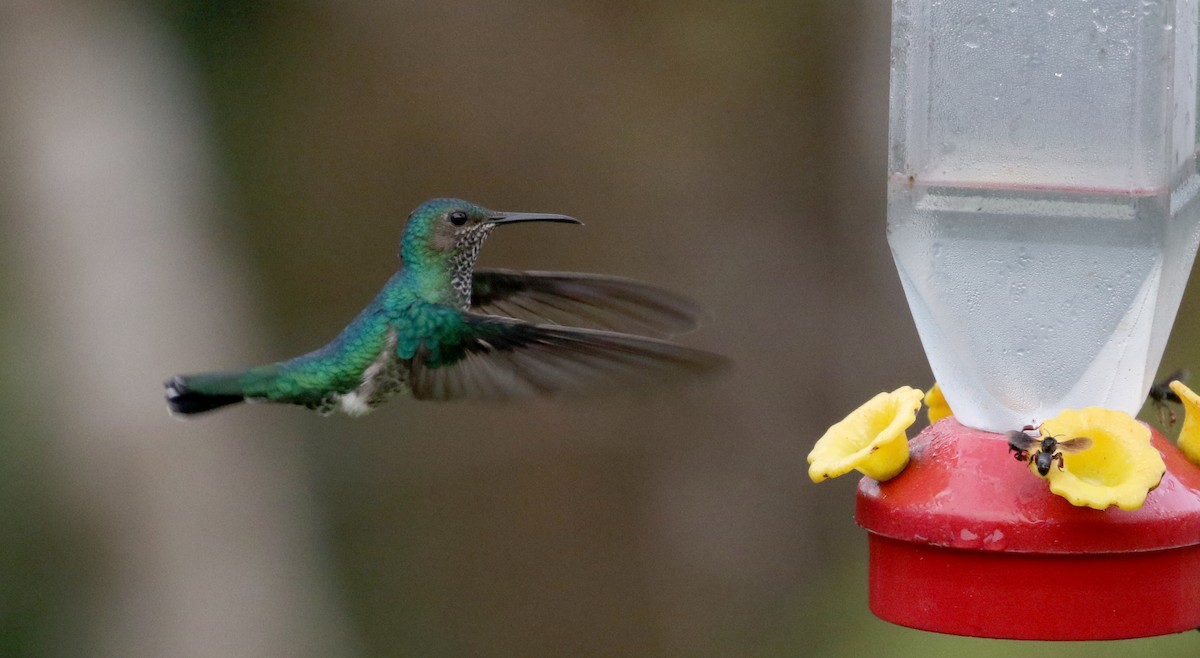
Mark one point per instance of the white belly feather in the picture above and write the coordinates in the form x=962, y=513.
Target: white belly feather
x=382, y=378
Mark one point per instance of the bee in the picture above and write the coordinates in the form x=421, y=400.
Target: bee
x=1046, y=449
x=1161, y=394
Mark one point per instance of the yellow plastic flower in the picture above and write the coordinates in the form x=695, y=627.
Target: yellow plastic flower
x=1119, y=467
x=1189, y=434
x=871, y=439
x=936, y=403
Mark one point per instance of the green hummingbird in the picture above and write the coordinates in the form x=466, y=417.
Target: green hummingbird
x=441, y=329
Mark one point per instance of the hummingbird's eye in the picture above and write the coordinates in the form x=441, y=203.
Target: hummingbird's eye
x=458, y=218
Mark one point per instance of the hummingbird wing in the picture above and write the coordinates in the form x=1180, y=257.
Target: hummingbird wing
x=590, y=300
x=499, y=358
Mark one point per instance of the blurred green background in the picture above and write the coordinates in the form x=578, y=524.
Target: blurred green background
x=195, y=185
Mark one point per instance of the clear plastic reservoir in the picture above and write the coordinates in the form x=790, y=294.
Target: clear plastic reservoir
x=1043, y=200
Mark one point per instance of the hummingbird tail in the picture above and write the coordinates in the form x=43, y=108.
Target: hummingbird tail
x=184, y=398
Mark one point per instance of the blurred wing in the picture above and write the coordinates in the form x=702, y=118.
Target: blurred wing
x=588, y=300
x=1018, y=440
x=1179, y=375
x=498, y=359
x=1076, y=444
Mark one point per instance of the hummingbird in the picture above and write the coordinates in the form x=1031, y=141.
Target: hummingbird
x=441, y=329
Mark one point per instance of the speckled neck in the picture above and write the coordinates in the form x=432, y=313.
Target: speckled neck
x=470, y=241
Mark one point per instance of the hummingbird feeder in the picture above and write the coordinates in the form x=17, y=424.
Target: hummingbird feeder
x=1044, y=214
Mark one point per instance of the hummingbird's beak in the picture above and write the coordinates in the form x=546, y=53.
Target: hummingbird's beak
x=511, y=217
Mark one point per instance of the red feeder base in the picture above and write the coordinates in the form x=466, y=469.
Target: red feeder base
x=967, y=541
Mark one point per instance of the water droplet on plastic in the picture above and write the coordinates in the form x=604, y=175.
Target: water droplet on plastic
x=995, y=540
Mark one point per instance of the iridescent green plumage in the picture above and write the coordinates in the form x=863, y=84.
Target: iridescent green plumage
x=441, y=329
